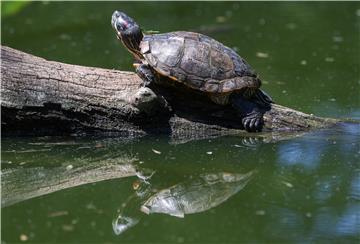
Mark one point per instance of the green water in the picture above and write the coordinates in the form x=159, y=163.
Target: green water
x=303, y=189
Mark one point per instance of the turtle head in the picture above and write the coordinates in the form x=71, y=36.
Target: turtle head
x=122, y=23
x=128, y=31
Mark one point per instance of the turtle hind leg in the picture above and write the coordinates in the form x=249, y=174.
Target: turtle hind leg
x=258, y=96
x=250, y=112
x=262, y=98
x=145, y=73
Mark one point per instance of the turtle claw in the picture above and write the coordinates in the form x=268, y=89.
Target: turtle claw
x=145, y=83
x=246, y=123
x=258, y=123
x=253, y=122
x=251, y=114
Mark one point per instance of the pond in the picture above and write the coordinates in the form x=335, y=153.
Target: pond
x=230, y=189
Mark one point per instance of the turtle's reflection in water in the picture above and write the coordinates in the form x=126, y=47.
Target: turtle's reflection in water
x=194, y=195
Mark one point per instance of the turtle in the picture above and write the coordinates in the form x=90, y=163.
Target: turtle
x=200, y=63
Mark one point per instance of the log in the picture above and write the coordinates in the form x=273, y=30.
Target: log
x=40, y=97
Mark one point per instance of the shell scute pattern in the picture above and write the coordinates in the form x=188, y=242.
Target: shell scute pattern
x=221, y=65
x=198, y=61
x=195, y=59
x=167, y=51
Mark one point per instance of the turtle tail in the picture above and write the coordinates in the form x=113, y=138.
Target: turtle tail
x=262, y=98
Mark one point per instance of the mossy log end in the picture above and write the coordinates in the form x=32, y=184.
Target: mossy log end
x=41, y=97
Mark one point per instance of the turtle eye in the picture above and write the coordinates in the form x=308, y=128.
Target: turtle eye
x=120, y=26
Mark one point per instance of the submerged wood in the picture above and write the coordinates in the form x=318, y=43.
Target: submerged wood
x=46, y=97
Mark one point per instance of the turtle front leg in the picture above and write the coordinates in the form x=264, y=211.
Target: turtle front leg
x=251, y=113
x=145, y=73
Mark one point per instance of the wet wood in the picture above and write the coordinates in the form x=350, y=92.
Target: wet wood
x=46, y=97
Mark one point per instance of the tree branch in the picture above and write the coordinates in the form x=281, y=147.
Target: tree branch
x=46, y=97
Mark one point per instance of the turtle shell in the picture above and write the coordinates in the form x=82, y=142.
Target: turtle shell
x=198, y=61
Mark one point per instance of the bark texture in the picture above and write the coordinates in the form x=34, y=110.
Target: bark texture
x=45, y=97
